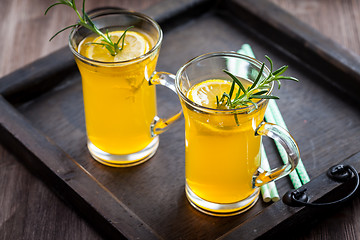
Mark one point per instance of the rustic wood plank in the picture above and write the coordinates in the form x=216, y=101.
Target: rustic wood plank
x=325, y=57
x=30, y=210
x=38, y=77
x=65, y=41
x=338, y=20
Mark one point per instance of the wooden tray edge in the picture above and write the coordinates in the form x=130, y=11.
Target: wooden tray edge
x=67, y=178
x=320, y=54
x=280, y=218
x=9, y=134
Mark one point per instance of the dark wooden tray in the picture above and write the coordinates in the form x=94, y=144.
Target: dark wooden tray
x=42, y=122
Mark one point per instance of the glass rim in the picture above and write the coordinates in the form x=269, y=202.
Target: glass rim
x=110, y=11
x=219, y=54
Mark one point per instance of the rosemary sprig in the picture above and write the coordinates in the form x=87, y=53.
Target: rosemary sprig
x=84, y=20
x=258, y=90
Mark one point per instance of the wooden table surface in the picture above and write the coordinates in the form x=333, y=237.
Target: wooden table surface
x=30, y=210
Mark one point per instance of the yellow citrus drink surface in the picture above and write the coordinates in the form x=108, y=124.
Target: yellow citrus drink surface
x=119, y=103
x=221, y=156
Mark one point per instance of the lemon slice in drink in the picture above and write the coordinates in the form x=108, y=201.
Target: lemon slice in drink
x=205, y=93
x=135, y=45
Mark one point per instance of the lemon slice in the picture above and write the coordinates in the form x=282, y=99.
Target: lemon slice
x=135, y=45
x=205, y=93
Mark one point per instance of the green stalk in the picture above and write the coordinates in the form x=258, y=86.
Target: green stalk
x=86, y=22
x=258, y=90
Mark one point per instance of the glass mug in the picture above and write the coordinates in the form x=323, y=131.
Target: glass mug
x=222, y=155
x=120, y=97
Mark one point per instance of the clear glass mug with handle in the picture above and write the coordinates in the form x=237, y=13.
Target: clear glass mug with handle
x=222, y=146
x=119, y=95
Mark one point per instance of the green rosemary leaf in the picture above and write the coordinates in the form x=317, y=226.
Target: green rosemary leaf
x=110, y=49
x=52, y=7
x=241, y=101
x=236, y=80
x=227, y=96
x=122, y=45
x=271, y=63
x=122, y=36
x=221, y=102
x=280, y=71
x=279, y=83
x=236, y=120
x=253, y=103
x=222, y=97
x=88, y=21
x=263, y=87
x=258, y=77
x=260, y=93
x=232, y=89
x=72, y=3
x=107, y=33
x=287, y=78
x=237, y=96
x=83, y=8
x=264, y=97
x=71, y=26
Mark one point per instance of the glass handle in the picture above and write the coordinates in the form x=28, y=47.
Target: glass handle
x=282, y=136
x=160, y=125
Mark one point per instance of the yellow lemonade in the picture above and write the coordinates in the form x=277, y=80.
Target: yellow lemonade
x=222, y=154
x=119, y=103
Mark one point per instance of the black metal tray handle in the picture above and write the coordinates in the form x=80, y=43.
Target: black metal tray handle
x=339, y=173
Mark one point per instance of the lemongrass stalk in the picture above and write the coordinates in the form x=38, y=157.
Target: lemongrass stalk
x=274, y=195
x=300, y=169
